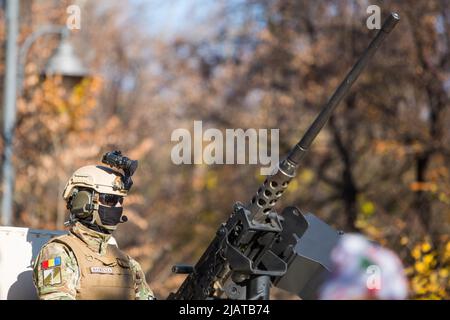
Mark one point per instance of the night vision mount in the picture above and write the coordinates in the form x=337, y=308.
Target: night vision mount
x=115, y=159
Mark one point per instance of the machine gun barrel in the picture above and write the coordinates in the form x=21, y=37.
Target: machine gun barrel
x=297, y=152
x=272, y=189
x=253, y=248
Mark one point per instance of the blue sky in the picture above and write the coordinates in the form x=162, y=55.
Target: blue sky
x=167, y=18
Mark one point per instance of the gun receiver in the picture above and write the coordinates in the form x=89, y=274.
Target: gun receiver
x=256, y=246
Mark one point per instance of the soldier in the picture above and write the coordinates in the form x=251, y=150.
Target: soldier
x=83, y=264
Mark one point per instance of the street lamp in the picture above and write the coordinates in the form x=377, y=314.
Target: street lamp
x=64, y=62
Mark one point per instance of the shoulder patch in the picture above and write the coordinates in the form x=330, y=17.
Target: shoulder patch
x=50, y=263
x=52, y=276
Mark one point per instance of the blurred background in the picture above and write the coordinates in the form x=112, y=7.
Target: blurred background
x=380, y=166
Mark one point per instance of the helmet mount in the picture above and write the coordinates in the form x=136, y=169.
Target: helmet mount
x=115, y=159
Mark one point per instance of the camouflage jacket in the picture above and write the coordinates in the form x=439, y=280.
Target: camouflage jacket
x=65, y=289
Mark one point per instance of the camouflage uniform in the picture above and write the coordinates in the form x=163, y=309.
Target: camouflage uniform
x=64, y=283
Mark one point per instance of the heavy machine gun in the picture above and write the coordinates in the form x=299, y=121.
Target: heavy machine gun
x=256, y=247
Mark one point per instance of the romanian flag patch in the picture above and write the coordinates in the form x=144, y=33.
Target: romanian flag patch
x=55, y=262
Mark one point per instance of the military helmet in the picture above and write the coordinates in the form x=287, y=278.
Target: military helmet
x=99, y=178
x=85, y=204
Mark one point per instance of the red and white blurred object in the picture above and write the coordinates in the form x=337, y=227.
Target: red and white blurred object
x=364, y=270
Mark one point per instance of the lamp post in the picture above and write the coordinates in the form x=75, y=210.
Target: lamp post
x=64, y=62
x=9, y=107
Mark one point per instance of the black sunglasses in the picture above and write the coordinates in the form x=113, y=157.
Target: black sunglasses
x=110, y=199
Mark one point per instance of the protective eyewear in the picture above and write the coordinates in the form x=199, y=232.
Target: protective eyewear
x=110, y=199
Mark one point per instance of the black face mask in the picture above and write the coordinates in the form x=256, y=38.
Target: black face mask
x=110, y=216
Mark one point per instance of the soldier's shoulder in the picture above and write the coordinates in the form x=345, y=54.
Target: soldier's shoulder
x=55, y=271
x=61, y=238
x=143, y=291
x=55, y=247
x=134, y=264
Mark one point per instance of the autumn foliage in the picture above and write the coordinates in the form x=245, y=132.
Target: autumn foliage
x=380, y=167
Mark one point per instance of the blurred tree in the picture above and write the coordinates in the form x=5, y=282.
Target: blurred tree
x=380, y=166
